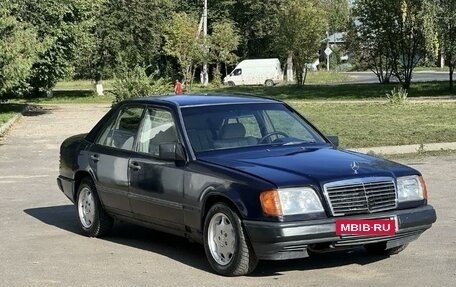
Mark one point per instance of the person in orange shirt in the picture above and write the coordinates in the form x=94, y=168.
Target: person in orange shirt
x=178, y=88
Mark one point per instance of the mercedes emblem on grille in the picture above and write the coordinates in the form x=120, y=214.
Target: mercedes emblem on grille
x=355, y=166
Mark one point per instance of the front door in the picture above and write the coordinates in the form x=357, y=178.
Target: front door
x=156, y=186
x=109, y=158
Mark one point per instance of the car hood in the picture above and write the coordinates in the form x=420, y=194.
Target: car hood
x=294, y=166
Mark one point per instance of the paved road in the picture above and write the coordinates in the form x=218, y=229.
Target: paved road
x=40, y=244
x=369, y=77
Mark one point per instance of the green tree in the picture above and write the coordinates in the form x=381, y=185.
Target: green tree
x=257, y=20
x=368, y=40
x=223, y=41
x=408, y=38
x=129, y=31
x=397, y=34
x=183, y=42
x=446, y=29
x=338, y=14
x=63, y=25
x=19, y=48
x=300, y=30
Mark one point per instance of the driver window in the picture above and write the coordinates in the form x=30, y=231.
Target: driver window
x=158, y=128
x=122, y=130
x=237, y=72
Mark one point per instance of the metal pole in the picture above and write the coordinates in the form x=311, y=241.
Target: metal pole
x=205, y=72
x=327, y=46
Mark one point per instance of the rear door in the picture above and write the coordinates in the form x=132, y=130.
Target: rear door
x=156, y=186
x=109, y=158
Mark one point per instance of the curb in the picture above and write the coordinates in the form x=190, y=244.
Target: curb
x=404, y=149
x=6, y=126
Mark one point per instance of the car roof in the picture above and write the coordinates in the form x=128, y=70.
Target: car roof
x=204, y=100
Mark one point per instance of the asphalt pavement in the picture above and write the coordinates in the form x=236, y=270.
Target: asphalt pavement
x=40, y=244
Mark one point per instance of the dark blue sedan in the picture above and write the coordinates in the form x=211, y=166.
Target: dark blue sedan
x=247, y=177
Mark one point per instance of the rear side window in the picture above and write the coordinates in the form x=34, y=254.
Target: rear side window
x=121, y=130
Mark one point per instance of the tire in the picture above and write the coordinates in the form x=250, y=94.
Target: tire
x=379, y=249
x=269, y=83
x=231, y=84
x=92, y=219
x=227, y=255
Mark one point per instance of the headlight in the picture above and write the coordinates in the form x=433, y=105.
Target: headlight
x=290, y=201
x=411, y=188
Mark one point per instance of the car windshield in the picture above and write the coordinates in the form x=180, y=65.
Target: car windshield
x=245, y=125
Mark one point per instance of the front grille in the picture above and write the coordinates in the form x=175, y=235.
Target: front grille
x=363, y=195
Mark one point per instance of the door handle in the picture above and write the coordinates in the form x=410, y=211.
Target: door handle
x=134, y=166
x=95, y=157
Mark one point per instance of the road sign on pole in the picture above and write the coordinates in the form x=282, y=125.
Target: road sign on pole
x=328, y=51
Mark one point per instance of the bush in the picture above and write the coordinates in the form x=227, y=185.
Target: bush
x=134, y=83
x=397, y=96
x=345, y=67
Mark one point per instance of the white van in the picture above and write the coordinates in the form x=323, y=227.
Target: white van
x=266, y=72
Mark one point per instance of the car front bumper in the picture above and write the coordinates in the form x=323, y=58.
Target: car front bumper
x=287, y=240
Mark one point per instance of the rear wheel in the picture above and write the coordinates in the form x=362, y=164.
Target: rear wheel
x=227, y=248
x=380, y=249
x=93, y=220
x=269, y=83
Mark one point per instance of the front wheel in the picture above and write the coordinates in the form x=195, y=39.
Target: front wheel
x=93, y=220
x=269, y=83
x=380, y=249
x=227, y=249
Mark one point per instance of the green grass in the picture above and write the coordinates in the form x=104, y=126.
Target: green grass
x=81, y=85
x=72, y=97
x=420, y=155
x=335, y=92
x=434, y=69
x=379, y=124
x=9, y=110
x=324, y=77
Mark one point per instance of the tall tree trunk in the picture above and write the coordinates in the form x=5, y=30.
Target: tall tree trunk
x=305, y=76
x=299, y=76
x=290, y=69
x=442, y=57
x=451, y=76
x=407, y=82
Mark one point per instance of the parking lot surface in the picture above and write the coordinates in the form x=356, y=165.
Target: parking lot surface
x=40, y=244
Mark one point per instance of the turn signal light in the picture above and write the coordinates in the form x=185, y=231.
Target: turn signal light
x=270, y=203
x=423, y=186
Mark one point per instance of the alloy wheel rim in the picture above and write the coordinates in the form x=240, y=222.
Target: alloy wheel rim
x=86, y=207
x=221, y=239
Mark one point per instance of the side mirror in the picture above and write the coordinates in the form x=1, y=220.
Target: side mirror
x=171, y=151
x=334, y=140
